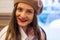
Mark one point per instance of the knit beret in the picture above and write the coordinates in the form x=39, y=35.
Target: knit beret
x=36, y=4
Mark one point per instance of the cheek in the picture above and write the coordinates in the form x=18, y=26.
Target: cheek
x=31, y=17
x=17, y=13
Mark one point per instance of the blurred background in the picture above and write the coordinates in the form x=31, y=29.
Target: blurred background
x=49, y=19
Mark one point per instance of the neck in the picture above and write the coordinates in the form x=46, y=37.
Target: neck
x=24, y=28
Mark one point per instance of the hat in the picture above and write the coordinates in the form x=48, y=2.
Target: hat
x=36, y=4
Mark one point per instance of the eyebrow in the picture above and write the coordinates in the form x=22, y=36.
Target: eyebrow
x=27, y=9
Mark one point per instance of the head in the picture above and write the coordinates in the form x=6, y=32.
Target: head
x=26, y=11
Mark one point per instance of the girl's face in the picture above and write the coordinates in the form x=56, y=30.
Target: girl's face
x=24, y=14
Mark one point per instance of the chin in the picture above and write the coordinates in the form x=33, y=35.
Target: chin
x=22, y=25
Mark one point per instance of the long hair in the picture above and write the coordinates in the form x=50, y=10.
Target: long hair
x=13, y=32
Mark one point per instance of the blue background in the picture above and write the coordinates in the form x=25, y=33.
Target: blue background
x=51, y=12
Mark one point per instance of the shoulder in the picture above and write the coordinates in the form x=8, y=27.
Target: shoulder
x=3, y=32
x=43, y=34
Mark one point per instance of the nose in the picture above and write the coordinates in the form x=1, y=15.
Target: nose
x=23, y=14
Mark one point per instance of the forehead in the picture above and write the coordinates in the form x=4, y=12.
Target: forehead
x=25, y=6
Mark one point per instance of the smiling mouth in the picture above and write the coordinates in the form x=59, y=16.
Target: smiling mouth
x=22, y=20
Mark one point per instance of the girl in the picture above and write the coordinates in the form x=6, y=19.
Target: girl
x=23, y=24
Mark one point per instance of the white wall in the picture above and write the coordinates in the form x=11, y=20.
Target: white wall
x=6, y=6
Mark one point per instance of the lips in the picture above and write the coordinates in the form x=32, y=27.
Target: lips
x=22, y=19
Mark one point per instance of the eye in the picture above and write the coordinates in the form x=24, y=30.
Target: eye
x=29, y=11
x=20, y=9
